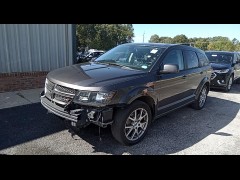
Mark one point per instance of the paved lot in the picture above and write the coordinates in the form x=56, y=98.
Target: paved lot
x=28, y=129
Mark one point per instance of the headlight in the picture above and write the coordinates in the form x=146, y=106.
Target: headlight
x=221, y=71
x=94, y=97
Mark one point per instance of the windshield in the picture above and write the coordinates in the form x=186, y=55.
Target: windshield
x=140, y=57
x=219, y=57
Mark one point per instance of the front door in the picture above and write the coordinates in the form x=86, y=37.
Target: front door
x=171, y=88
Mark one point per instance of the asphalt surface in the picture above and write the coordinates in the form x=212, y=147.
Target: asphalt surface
x=29, y=129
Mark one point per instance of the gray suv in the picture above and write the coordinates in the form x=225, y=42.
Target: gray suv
x=128, y=87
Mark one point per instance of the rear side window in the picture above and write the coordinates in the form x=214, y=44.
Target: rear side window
x=191, y=59
x=203, y=60
x=235, y=58
x=174, y=57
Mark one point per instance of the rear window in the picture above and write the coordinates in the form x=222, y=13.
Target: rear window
x=220, y=57
x=203, y=60
x=191, y=59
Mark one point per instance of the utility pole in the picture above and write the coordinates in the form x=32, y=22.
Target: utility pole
x=143, y=36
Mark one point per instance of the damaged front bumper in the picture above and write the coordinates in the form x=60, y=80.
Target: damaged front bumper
x=80, y=116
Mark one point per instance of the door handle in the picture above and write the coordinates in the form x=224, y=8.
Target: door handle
x=184, y=77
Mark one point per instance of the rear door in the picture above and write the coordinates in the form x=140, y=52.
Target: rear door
x=194, y=73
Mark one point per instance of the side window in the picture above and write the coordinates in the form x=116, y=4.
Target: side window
x=174, y=57
x=191, y=59
x=235, y=57
x=238, y=59
x=203, y=60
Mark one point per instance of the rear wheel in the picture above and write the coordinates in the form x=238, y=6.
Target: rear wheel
x=131, y=124
x=201, y=100
x=238, y=80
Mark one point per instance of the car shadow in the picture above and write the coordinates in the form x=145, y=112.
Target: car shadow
x=234, y=90
x=171, y=133
x=25, y=123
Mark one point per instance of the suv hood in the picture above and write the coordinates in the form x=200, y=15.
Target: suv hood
x=217, y=66
x=91, y=75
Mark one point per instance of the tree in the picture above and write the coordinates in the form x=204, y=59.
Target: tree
x=154, y=39
x=104, y=36
x=221, y=46
x=237, y=47
x=235, y=41
x=167, y=40
x=201, y=45
x=180, y=39
x=219, y=38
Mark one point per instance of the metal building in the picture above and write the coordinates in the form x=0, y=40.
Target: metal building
x=36, y=47
x=29, y=51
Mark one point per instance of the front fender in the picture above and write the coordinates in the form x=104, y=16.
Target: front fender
x=138, y=92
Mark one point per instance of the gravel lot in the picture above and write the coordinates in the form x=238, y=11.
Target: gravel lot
x=28, y=129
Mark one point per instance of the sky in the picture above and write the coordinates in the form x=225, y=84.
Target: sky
x=190, y=30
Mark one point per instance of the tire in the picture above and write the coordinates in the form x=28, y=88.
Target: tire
x=229, y=84
x=238, y=80
x=128, y=131
x=199, y=103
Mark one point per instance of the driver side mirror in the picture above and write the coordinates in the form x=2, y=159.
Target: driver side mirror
x=170, y=68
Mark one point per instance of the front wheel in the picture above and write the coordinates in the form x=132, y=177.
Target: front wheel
x=201, y=100
x=131, y=124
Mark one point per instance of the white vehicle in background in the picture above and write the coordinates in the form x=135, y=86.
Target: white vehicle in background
x=91, y=55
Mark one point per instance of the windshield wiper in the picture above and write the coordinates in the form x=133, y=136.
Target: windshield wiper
x=113, y=63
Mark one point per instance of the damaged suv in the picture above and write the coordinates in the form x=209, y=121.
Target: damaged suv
x=128, y=87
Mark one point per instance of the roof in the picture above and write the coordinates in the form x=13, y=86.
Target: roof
x=151, y=44
x=166, y=45
x=227, y=52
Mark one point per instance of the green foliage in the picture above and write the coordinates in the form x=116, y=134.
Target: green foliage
x=103, y=36
x=201, y=45
x=154, y=39
x=210, y=43
x=221, y=46
x=235, y=41
x=237, y=47
x=167, y=40
x=180, y=39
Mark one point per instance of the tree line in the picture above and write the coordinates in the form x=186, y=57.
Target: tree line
x=103, y=36
x=217, y=43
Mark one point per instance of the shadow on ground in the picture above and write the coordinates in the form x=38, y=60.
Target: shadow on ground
x=172, y=133
x=235, y=89
x=25, y=123
x=169, y=134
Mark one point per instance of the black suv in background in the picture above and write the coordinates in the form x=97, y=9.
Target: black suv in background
x=128, y=87
x=226, y=68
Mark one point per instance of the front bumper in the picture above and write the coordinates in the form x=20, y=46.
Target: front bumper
x=219, y=80
x=81, y=116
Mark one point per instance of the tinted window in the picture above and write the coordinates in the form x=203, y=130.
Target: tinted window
x=191, y=59
x=238, y=59
x=174, y=57
x=235, y=57
x=220, y=57
x=202, y=59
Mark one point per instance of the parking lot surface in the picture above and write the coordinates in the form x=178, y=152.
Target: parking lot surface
x=29, y=129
